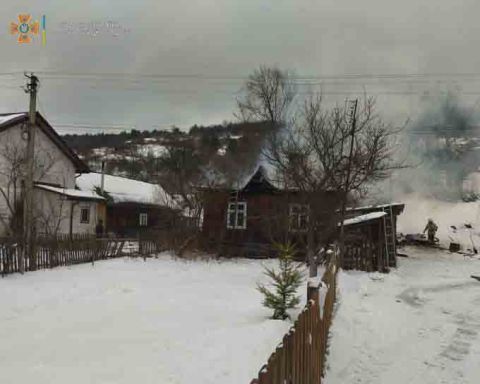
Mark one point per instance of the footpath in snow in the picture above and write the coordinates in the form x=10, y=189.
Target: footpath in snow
x=130, y=321
x=420, y=324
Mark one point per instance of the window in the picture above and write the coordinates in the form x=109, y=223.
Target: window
x=298, y=217
x=237, y=216
x=143, y=219
x=85, y=215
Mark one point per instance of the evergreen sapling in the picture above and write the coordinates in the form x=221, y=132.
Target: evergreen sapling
x=285, y=283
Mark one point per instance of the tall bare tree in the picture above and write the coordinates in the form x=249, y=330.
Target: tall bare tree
x=269, y=93
x=181, y=172
x=316, y=151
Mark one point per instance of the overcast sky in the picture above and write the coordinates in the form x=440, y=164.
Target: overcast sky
x=205, y=48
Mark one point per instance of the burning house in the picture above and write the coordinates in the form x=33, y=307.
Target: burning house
x=247, y=220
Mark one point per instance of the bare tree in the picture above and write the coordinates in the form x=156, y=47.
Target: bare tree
x=317, y=153
x=269, y=93
x=12, y=160
x=181, y=173
x=323, y=151
x=51, y=214
x=12, y=174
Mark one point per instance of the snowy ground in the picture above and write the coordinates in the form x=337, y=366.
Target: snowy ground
x=130, y=321
x=418, y=324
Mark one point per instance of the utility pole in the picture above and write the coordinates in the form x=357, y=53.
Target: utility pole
x=353, y=125
x=31, y=88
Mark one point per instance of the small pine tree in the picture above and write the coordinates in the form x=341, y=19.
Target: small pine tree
x=285, y=284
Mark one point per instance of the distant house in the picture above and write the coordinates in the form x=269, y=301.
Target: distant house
x=59, y=208
x=133, y=206
x=247, y=220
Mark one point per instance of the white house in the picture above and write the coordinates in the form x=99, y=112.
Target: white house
x=59, y=208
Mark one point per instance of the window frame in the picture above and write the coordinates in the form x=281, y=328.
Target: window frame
x=295, y=218
x=232, y=209
x=82, y=210
x=143, y=223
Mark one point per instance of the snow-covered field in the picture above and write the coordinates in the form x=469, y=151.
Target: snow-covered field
x=420, y=324
x=130, y=321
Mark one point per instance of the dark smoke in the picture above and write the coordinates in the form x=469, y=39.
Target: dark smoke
x=441, y=148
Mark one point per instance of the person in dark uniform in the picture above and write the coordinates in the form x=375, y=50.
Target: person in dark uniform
x=99, y=229
x=431, y=229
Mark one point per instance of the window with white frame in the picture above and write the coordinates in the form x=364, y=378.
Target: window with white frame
x=298, y=217
x=237, y=215
x=143, y=219
x=84, y=215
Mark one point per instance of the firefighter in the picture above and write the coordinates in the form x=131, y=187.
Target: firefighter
x=431, y=229
x=99, y=229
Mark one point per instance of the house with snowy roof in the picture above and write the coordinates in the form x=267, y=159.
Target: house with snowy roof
x=59, y=208
x=132, y=206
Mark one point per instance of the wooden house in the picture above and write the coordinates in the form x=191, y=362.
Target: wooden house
x=133, y=207
x=248, y=220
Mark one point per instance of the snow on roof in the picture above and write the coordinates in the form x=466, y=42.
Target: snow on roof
x=222, y=151
x=6, y=118
x=364, y=218
x=155, y=150
x=380, y=206
x=123, y=190
x=72, y=193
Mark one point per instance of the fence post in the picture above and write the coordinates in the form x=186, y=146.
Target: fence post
x=313, y=286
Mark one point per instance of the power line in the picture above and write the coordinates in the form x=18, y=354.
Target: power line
x=142, y=81
x=95, y=126
x=200, y=76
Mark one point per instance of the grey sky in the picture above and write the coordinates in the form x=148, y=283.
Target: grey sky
x=226, y=40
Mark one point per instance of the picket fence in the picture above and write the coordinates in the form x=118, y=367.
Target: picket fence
x=300, y=357
x=60, y=250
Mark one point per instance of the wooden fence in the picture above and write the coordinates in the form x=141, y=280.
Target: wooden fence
x=177, y=239
x=152, y=243
x=300, y=357
x=50, y=252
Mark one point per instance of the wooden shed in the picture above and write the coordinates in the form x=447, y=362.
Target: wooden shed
x=371, y=237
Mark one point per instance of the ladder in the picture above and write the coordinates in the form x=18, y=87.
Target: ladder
x=390, y=237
